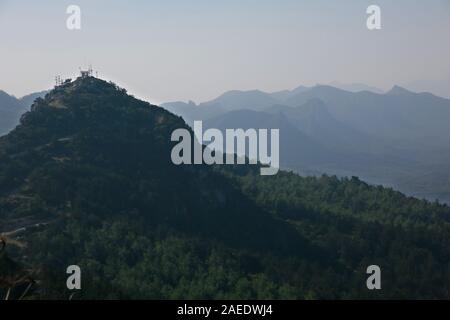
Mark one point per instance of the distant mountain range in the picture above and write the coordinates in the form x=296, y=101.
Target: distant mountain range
x=398, y=138
x=437, y=87
x=355, y=87
x=11, y=109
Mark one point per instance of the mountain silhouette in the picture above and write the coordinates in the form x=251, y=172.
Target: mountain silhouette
x=12, y=108
x=390, y=138
x=314, y=154
x=29, y=99
x=397, y=115
x=229, y=101
x=355, y=87
x=10, y=111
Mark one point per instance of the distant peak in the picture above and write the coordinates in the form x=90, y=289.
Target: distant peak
x=242, y=92
x=6, y=97
x=397, y=90
x=325, y=87
x=355, y=87
x=300, y=89
x=5, y=94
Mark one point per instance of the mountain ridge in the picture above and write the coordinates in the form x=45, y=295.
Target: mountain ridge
x=403, y=131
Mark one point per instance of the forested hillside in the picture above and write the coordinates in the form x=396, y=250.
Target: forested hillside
x=86, y=179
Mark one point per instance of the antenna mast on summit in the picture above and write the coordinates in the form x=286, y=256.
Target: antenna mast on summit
x=58, y=81
x=88, y=73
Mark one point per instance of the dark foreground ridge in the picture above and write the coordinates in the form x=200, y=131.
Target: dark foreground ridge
x=86, y=179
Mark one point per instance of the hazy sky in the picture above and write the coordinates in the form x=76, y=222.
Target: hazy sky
x=179, y=50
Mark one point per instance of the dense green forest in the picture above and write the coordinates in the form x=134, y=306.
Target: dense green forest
x=86, y=179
